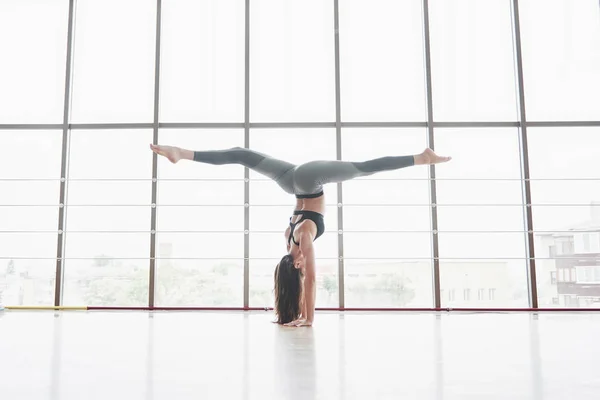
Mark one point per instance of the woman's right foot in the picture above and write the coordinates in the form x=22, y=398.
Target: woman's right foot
x=172, y=153
x=428, y=157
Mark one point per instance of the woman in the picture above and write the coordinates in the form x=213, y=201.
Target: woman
x=295, y=288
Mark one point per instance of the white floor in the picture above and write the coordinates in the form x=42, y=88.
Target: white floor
x=194, y=355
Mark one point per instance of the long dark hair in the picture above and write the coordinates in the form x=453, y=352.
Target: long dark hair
x=288, y=290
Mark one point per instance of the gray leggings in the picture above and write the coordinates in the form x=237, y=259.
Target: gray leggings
x=305, y=179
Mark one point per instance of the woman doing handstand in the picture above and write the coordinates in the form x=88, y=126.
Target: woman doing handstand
x=294, y=277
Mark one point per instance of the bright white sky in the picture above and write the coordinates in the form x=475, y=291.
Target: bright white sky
x=292, y=80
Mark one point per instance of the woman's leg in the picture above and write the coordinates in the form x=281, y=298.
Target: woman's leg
x=310, y=177
x=279, y=171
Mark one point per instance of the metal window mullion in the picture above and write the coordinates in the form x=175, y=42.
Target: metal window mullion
x=62, y=212
x=338, y=144
x=556, y=124
x=31, y=126
x=113, y=125
x=524, y=157
x=155, y=126
x=304, y=125
x=247, y=145
x=431, y=144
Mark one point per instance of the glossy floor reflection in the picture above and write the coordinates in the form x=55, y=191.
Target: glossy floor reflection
x=192, y=355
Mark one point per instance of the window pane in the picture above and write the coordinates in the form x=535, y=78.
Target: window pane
x=32, y=73
x=472, y=60
x=381, y=60
x=203, y=245
x=200, y=140
x=261, y=283
x=577, y=212
x=501, y=163
x=204, y=283
x=44, y=147
x=561, y=59
x=484, y=194
x=28, y=193
x=130, y=193
x=105, y=275
x=108, y=245
x=386, y=218
x=387, y=201
x=202, y=61
x=28, y=218
x=484, y=245
x=475, y=219
x=480, y=294
x=566, y=210
x=27, y=207
x=546, y=272
x=564, y=153
x=565, y=190
x=403, y=189
x=387, y=245
x=22, y=280
x=189, y=205
x=479, y=218
x=109, y=268
x=94, y=154
x=501, y=277
x=108, y=219
x=292, y=61
x=219, y=282
x=30, y=244
x=109, y=205
x=195, y=206
x=107, y=281
x=182, y=193
x=113, y=69
x=388, y=283
x=200, y=218
x=27, y=282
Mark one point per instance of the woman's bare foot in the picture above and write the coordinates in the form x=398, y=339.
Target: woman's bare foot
x=429, y=157
x=174, y=154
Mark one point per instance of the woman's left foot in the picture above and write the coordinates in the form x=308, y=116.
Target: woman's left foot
x=428, y=157
x=172, y=153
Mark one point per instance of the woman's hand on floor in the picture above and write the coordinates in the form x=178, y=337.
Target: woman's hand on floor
x=299, y=322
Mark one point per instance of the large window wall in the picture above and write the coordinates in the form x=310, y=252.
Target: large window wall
x=88, y=216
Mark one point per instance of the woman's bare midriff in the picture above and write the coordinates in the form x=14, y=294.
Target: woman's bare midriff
x=316, y=205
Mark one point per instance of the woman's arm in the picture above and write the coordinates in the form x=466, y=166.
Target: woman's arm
x=303, y=305
x=287, y=237
x=307, y=301
x=310, y=290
